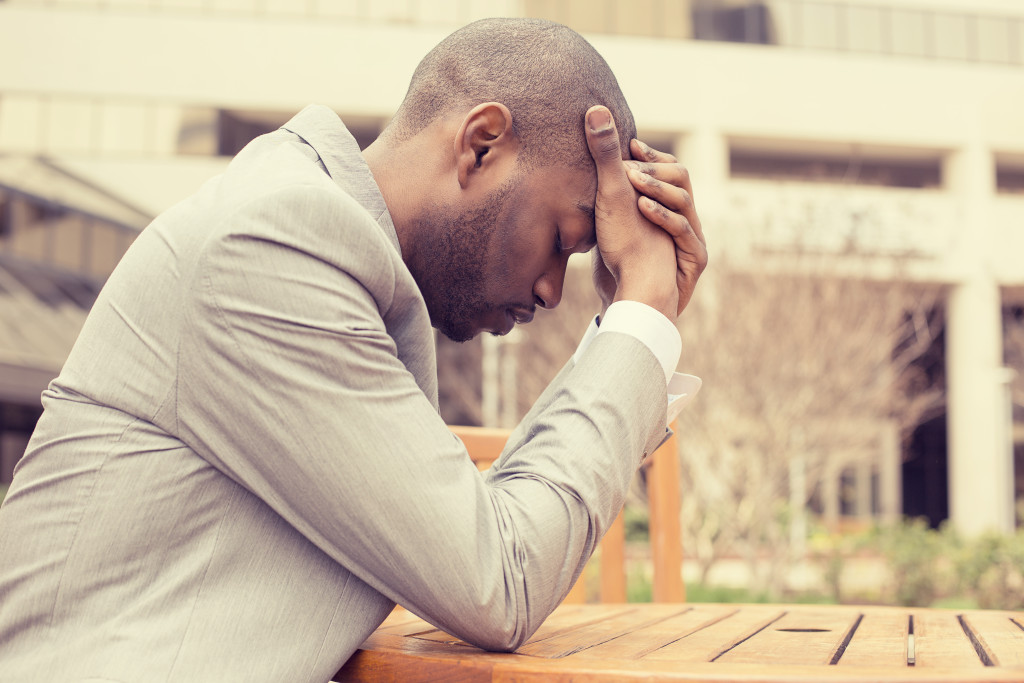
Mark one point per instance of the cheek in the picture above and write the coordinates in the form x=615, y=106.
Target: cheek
x=531, y=257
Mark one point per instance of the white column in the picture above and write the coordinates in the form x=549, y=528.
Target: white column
x=979, y=434
x=890, y=472
x=798, y=505
x=705, y=153
x=862, y=475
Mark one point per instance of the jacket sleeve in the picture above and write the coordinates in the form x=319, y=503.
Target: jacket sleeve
x=289, y=383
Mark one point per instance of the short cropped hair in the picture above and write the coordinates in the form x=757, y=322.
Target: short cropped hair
x=545, y=73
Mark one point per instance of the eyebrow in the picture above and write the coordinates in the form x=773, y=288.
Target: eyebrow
x=588, y=210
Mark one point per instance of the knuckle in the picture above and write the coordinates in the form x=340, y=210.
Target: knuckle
x=606, y=146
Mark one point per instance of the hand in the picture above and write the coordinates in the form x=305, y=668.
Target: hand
x=636, y=253
x=604, y=282
x=668, y=202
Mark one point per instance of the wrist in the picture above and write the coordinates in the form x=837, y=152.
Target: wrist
x=665, y=302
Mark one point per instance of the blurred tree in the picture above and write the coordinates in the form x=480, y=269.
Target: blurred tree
x=805, y=371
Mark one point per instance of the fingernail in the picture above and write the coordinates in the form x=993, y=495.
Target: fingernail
x=600, y=120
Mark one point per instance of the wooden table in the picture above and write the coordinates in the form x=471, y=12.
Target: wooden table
x=712, y=642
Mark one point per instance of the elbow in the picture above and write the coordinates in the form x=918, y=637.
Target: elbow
x=505, y=633
x=500, y=640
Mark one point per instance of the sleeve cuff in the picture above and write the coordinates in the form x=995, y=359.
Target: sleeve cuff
x=681, y=390
x=588, y=337
x=656, y=332
x=648, y=325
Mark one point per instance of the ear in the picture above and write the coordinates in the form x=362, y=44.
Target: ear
x=484, y=140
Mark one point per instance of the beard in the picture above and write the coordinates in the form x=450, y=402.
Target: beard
x=450, y=268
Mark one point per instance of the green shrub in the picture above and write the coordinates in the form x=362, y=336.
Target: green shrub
x=941, y=568
x=637, y=524
x=697, y=592
x=990, y=570
x=917, y=558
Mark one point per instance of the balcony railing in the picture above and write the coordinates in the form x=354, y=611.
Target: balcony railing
x=840, y=220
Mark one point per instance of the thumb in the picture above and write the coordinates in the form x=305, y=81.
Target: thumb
x=603, y=141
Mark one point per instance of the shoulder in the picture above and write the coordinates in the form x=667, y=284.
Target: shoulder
x=276, y=198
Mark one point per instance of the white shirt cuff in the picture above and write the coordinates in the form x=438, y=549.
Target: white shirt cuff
x=681, y=390
x=658, y=334
x=651, y=327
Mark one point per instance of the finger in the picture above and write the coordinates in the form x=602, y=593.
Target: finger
x=673, y=174
x=671, y=222
x=691, y=254
x=686, y=239
x=672, y=196
x=597, y=261
x=603, y=141
x=643, y=152
x=668, y=195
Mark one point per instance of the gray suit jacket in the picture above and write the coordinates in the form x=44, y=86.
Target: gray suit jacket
x=241, y=467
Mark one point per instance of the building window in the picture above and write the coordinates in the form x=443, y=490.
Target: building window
x=236, y=129
x=1010, y=179
x=853, y=169
x=734, y=22
x=6, y=217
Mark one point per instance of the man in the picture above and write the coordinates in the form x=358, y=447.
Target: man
x=241, y=467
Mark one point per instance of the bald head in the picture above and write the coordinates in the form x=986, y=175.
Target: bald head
x=545, y=73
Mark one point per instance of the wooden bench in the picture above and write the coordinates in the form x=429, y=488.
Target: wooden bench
x=485, y=445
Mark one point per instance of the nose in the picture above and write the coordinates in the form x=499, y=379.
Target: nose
x=547, y=290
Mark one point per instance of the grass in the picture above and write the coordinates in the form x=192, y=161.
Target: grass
x=638, y=589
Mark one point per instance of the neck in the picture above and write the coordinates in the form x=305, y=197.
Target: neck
x=405, y=176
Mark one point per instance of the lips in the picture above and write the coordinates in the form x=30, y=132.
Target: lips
x=513, y=316
x=521, y=315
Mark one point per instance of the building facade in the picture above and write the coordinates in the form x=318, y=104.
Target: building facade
x=887, y=135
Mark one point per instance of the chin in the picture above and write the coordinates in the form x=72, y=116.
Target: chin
x=460, y=333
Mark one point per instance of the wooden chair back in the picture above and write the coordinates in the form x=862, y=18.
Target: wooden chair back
x=485, y=445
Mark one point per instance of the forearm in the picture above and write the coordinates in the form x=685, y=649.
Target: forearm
x=290, y=385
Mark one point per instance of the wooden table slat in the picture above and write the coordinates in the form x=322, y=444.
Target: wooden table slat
x=597, y=632
x=566, y=618
x=940, y=641
x=880, y=640
x=402, y=622
x=799, y=637
x=655, y=636
x=699, y=643
x=1000, y=634
x=706, y=644
x=570, y=617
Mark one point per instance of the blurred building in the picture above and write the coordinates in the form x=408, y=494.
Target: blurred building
x=879, y=132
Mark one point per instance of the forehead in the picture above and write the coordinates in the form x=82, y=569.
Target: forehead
x=565, y=189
